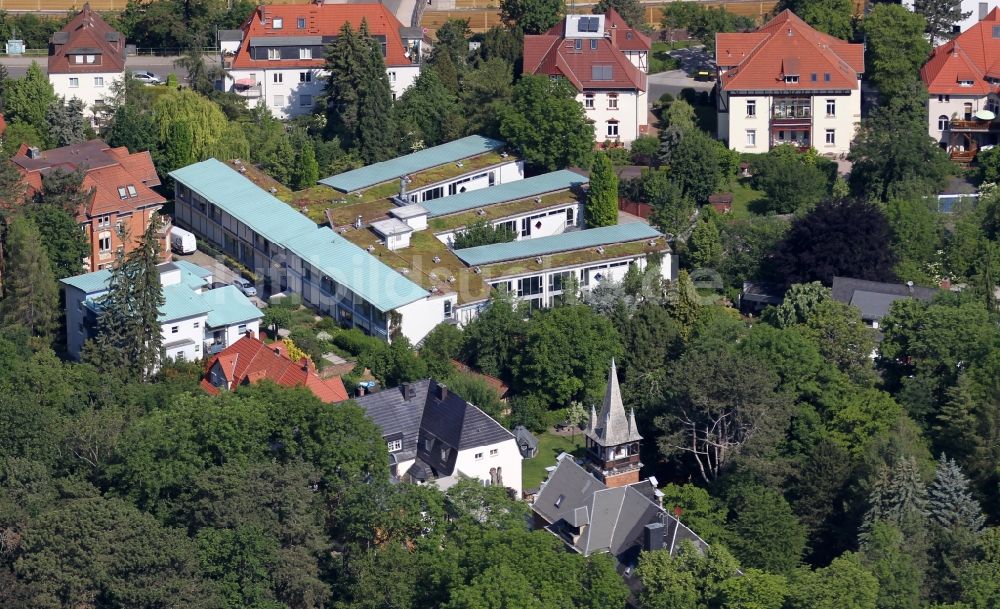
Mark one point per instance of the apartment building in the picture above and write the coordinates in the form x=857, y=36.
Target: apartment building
x=787, y=83
x=195, y=320
x=86, y=57
x=606, y=61
x=963, y=82
x=122, y=201
x=277, y=57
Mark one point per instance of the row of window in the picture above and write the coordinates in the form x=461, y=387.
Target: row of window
x=588, y=101
x=493, y=452
x=278, y=23
x=814, y=77
x=74, y=82
x=794, y=137
x=304, y=53
x=279, y=77
x=305, y=101
x=85, y=59
x=797, y=109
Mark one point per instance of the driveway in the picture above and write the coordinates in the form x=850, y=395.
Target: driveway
x=673, y=81
x=220, y=272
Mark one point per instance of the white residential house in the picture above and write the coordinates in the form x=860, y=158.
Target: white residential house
x=195, y=321
x=435, y=437
x=606, y=61
x=976, y=9
x=277, y=58
x=86, y=57
x=963, y=80
x=788, y=83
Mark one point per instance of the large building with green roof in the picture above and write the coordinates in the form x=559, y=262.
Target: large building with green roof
x=195, y=319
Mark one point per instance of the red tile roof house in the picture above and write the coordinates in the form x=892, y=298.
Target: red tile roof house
x=277, y=57
x=963, y=79
x=249, y=360
x=121, y=183
x=85, y=58
x=787, y=83
x=606, y=61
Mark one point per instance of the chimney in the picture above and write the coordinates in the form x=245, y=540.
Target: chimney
x=304, y=362
x=442, y=392
x=251, y=333
x=653, y=536
x=405, y=388
x=33, y=152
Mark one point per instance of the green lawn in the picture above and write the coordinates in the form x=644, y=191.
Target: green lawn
x=743, y=197
x=549, y=447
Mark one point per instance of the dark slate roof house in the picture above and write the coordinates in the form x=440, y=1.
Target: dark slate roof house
x=434, y=435
x=874, y=298
x=604, y=507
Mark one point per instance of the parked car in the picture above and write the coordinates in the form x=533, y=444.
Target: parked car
x=147, y=77
x=181, y=241
x=245, y=286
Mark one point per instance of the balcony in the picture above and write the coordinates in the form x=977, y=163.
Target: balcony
x=248, y=91
x=963, y=157
x=974, y=126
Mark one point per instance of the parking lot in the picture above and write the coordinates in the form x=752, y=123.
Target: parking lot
x=692, y=60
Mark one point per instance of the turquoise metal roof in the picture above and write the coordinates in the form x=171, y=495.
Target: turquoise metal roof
x=271, y=218
x=180, y=302
x=228, y=306
x=353, y=267
x=244, y=200
x=503, y=193
x=543, y=246
x=194, y=269
x=356, y=179
x=89, y=283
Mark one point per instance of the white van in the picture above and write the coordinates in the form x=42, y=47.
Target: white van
x=181, y=241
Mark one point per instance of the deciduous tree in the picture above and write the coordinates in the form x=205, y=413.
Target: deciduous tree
x=547, y=125
x=896, y=48
x=630, y=10
x=531, y=16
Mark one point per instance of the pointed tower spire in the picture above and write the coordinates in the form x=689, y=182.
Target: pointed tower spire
x=613, y=425
x=632, y=428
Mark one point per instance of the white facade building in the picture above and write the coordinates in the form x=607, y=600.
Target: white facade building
x=426, y=446
x=787, y=83
x=195, y=321
x=86, y=57
x=606, y=61
x=277, y=58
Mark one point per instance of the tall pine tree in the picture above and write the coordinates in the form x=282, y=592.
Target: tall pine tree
x=344, y=64
x=949, y=501
x=602, y=196
x=898, y=497
x=31, y=296
x=376, y=129
x=129, y=339
x=942, y=16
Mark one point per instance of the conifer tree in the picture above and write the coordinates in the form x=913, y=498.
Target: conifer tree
x=129, y=339
x=31, y=295
x=602, y=196
x=376, y=131
x=344, y=62
x=705, y=244
x=941, y=16
x=950, y=504
x=898, y=497
x=64, y=189
x=307, y=169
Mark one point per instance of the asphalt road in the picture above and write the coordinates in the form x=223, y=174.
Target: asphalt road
x=161, y=66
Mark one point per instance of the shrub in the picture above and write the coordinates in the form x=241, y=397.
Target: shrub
x=355, y=341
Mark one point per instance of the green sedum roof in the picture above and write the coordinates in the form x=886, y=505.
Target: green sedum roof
x=363, y=177
x=502, y=193
x=275, y=221
x=543, y=246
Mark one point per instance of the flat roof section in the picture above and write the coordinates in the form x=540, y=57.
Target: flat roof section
x=543, y=246
x=503, y=193
x=391, y=226
x=363, y=177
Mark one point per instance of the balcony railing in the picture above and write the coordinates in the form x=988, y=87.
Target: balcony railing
x=974, y=125
x=794, y=112
x=962, y=156
x=253, y=91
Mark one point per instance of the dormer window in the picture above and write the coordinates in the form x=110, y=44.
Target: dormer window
x=278, y=23
x=300, y=23
x=791, y=79
x=394, y=445
x=122, y=193
x=965, y=83
x=131, y=191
